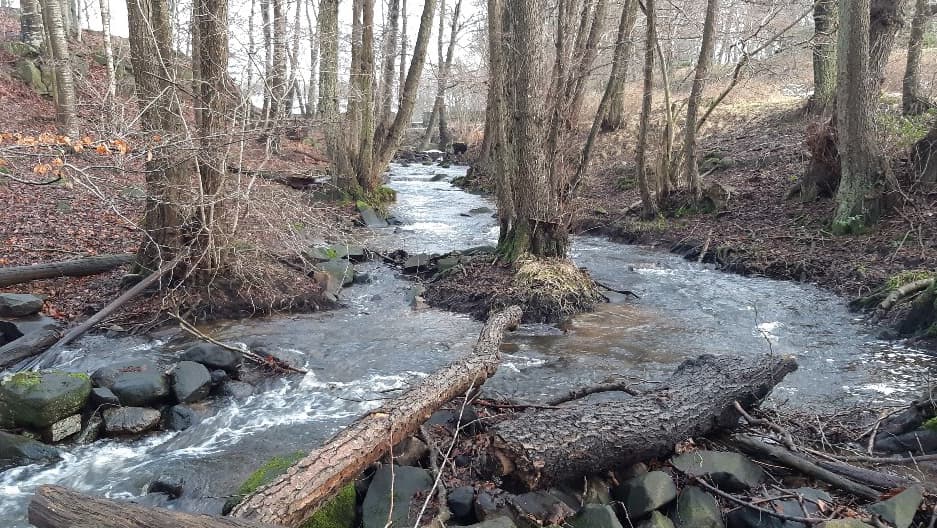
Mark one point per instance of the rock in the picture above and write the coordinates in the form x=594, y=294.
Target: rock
x=410, y=451
x=339, y=512
x=480, y=210
x=415, y=263
x=729, y=471
x=19, y=304
x=543, y=507
x=497, y=522
x=130, y=420
x=748, y=518
x=141, y=389
x=101, y=396
x=462, y=461
x=595, y=516
x=407, y=482
x=22, y=49
x=179, y=418
x=18, y=450
x=914, y=441
x=370, y=217
x=486, y=507
x=438, y=177
x=62, y=429
x=645, y=493
x=218, y=377
x=900, y=509
x=697, y=509
x=28, y=72
x=214, y=357
x=461, y=502
x=106, y=376
x=363, y=278
x=657, y=520
x=238, y=390
x=718, y=195
x=341, y=271
x=844, y=523
x=450, y=419
x=91, y=431
x=39, y=399
x=171, y=486
x=191, y=381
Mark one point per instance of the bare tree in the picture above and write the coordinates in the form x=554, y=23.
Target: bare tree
x=912, y=101
x=328, y=55
x=312, y=84
x=438, y=114
x=388, y=60
x=648, y=198
x=703, y=65
x=615, y=117
x=404, y=48
x=824, y=55
x=31, y=30
x=111, y=93
x=66, y=106
x=887, y=17
x=279, y=107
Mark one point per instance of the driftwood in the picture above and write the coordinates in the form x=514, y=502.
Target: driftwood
x=904, y=291
x=70, y=268
x=58, y=507
x=870, y=477
x=29, y=345
x=538, y=448
x=316, y=478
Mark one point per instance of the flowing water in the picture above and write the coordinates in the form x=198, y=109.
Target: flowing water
x=377, y=342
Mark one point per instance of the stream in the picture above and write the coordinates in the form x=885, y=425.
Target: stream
x=377, y=342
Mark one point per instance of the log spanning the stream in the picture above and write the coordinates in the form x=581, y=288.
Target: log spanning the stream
x=70, y=268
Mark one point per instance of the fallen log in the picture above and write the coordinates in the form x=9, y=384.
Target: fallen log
x=58, y=507
x=903, y=292
x=538, y=448
x=70, y=268
x=316, y=478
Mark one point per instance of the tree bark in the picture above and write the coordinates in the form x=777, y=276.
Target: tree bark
x=696, y=95
x=542, y=447
x=58, y=507
x=306, y=486
x=886, y=18
x=66, y=105
x=279, y=106
x=438, y=117
x=403, y=52
x=389, y=62
x=824, y=56
x=912, y=101
x=328, y=59
x=311, y=86
x=70, y=268
x=111, y=93
x=641, y=166
x=924, y=158
x=31, y=31
x=614, y=119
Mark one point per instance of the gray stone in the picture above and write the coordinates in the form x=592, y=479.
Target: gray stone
x=62, y=429
x=28, y=72
x=18, y=450
x=19, y=304
x=595, y=516
x=461, y=502
x=656, y=520
x=106, y=376
x=104, y=396
x=415, y=263
x=697, y=509
x=22, y=49
x=410, y=451
x=141, y=389
x=39, y=399
x=218, y=377
x=91, y=431
x=191, y=381
x=544, y=507
x=915, y=441
x=170, y=485
x=900, y=509
x=466, y=419
x=179, y=418
x=844, y=523
x=645, y=493
x=729, y=471
x=480, y=210
x=238, y=390
x=438, y=177
x=214, y=357
x=749, y=518
x=407, y=482
x=341, y=271
x=370, y=217
x=497, y=522
x=486, y=507
x=130, y=420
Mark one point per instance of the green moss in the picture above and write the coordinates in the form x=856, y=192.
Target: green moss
x=907, y=277
x=25, y=379
x=854, y=225
x=264, y=475
x=337, y=513
x=931, y=424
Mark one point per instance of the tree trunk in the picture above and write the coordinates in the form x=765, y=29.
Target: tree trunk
x=389, y=62
x=70, y=268
x=328, y=55
x=58, y=507
x=311, y=92
x=696, y=95
x=887, y=17
x=615, y=117
x=293, y=91
x=537, y=449
x=66, y=106
x=912, y=101
x=267, y=27
x=279, y=107
x=924, y=158
x=438, y=115
x=403, y=52
x=296, y=495
x=641, y=168
x=858, y=198
x=111, y=93
x=31, y=30
x=824, y=56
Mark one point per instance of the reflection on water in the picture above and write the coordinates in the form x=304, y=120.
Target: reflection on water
x=379, y=343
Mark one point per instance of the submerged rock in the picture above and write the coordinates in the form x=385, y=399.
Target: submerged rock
x=179, y=418
x=214, y=357
x=39, y=399
x=91, y=431
x=697, y=509
x=238, y=390
x=900, y=509
x=106, y=376
x=16, y=450
x=729, y=471
x=645, y=493
x=191, y=381
x=141, y=389
x=19, y=304
x=407, y=482
x=130, y=420
x=171, y=486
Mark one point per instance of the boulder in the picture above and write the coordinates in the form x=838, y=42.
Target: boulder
x=101, y=396
x=40, y=399
x=19, y=304
x=900, y=509
x=370, y=217
x=497, y=522
x=461, y=502
x=697, y=509
x=170, y=485
x=28, y=72
x=179, y=418
x=544, y=507
x=106, y=376
x=18, y=450
x=415, y=263
x=214, y=357
x=656, y=520
x=729, y=471
x=595, y=516
x=914, y=441
x=438, y=177
x=91, y=431
x=218, y=377
x=407, y=482
x=466, y=419
x=342, y=272
x=22, y=49
x=480, y=210
x=62, y=429
x=844, y=523
x=141, y=389
x=130, y=420
x=645, y=493
x=191, y=381
x=238, y=390
x=410, y=451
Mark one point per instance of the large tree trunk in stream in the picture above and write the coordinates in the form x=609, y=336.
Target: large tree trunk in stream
x=313, y=480
x=58, y=507
x=541, y=447
x=70, y=268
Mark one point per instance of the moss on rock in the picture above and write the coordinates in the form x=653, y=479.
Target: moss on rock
x=264, y=475
x=337, y=513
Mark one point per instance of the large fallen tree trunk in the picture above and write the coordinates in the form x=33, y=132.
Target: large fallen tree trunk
x=316, y=478
x=70, y=268
x=58, y=507
x=545, y=446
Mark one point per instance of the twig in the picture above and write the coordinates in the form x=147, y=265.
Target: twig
x=622, y=292
x=740, y=502
x=582, y=392
x=788, y=440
